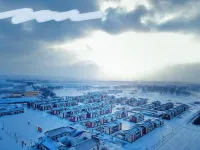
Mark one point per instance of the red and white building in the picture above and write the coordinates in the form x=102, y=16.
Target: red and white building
x=137, y=117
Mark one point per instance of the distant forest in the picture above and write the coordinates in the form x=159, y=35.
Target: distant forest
x=184, y=90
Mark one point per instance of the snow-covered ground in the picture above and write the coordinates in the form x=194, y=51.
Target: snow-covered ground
x=16, y=127
x=186, y=138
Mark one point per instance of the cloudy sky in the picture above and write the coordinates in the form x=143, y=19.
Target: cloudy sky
x=135, y=40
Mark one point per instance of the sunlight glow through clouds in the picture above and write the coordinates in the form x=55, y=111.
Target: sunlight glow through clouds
x=128, y=5
x=131, y=55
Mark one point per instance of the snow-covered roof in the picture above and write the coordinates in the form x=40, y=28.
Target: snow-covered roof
x=51, y=144
x=59, y=131
x=94, y=119
x=113, y=124
x=16, y=109
x=79, y=114
x=86, y=145
x=147, y=123
x=137, y=115
x=134, y=130
x=4, y=111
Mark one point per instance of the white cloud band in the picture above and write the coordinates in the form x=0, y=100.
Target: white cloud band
x=26, y=14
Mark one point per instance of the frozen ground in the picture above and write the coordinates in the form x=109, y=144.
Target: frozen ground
x=175, y=134
x=16, y=127
x=186, y=138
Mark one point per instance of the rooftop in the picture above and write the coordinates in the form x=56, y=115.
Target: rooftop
x=59, y=131
x=88, y=144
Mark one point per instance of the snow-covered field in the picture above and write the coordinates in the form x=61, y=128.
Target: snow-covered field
x=16, y=127
x=175, y=134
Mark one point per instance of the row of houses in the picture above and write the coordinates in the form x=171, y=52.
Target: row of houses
x=89, y=111
x=48, y=105
x=152, y=105
x=94, y=122
x=69, y=138
x=64, y=111
x=110, y=128
x=91, y=114
x=11, y=110
x=175, y=111
x=165, y=106
x=95, y=97
x=136, y=117
x=141, y=129
x=58, y=102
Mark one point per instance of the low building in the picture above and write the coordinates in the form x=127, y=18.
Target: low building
x=59, y=104
x=49, y=144
x=93, y=114
x=16, y=95
x=16, y=110
x=109, y=118
x=147, y=126
x=71, y=103
x=133, y=134
x=148, y=106
x=157, y=123
x=156, y=103
x=56, y=111
x=46, y=106
x=11, y=111
x=121, y=114
x=168, y=115
x=106, y=110
x=59, y=132
x=68, y=138
x=4, y=111
x=78, y=117
x=137, y=117
x=94, y=122
x=31, y=93
x=90, y=144
x=113, y=127
x=165, y=107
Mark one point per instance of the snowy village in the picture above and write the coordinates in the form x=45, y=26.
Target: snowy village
x=57, y=116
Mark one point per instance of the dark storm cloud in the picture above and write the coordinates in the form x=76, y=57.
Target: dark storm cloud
x=49, y=31
x=118, y=20
x=22, y=46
